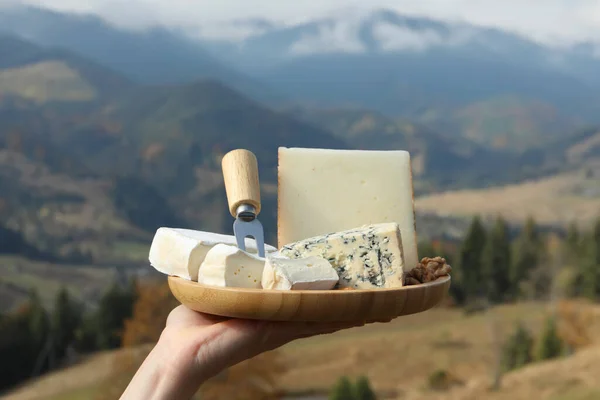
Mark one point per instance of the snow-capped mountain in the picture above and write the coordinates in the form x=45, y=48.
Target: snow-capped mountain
x=388, y=61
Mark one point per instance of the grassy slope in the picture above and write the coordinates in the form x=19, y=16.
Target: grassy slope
x=513, y=123
x=556, y=200
x=397, y=357
x=46, y=81
x=18, y=275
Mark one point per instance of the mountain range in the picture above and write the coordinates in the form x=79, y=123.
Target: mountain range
x=77, y=169
x=430, y=71
x=107, y=133
x=405, y=65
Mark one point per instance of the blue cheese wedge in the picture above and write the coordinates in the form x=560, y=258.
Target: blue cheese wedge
x=311, y=273
x=367, y=257
x=179, y=252
x=228, y=266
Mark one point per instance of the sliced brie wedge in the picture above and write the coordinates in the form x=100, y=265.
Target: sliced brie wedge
x=310, y=273
x=228, y=266
x=180, y=252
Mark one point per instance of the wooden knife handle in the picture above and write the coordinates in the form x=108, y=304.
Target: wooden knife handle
x=240, y=172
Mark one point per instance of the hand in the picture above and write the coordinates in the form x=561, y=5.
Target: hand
x=194, y=347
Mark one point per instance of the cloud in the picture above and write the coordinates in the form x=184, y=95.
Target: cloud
x=331, y=37
x=553, y=22
x=394, y=37
x=235, y=31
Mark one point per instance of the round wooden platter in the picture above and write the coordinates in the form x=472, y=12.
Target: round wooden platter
x=310, y=305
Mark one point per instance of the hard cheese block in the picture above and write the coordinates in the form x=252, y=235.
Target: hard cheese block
x=228, y=266
x=311, y=273
x=180, y=252
x=322, y=191
x=364, y=258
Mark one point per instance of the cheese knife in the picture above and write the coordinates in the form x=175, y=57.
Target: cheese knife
x=240, y=173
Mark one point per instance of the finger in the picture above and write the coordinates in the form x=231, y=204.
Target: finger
x=282, y=332
x=312, y=334
x=182, y=316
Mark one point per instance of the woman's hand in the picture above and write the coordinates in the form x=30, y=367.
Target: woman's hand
x=195, y=347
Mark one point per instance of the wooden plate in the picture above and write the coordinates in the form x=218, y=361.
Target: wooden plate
x=310, y=305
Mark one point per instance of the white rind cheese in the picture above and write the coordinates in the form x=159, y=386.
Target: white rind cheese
x=364, y=258
x=180, y=252
x=322, y=191
x=311, y=273
x=228, y=266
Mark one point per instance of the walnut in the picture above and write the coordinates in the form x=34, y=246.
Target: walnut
x=411, y=281
x=429, y=269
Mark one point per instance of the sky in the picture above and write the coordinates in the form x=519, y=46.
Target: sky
x=548, y=21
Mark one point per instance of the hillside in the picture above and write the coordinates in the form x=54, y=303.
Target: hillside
x=581, y=149
x=171, y=130
x=18, y=275
x=509, y=123
x=369, y=130
x=157, y=56
x=557, y=200
x=133, y=159
x=397, y=357
x=444, y=159
x=65, y=216
x=54, y=74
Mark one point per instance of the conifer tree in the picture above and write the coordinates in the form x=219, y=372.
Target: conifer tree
x=496, y=262
x=470, y=256
x=596, y=253
x=23, y=335
x=115, y=307
x=518, y=349
x=590, y=263
x=38, y=327
x=550, y=344
x=573, y=241
x=38, y=322
x=65, y=320
x=342, y=390
x=363, y=390
x=527, y=255
x=86, y=334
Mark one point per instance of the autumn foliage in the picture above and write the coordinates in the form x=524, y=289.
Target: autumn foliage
x=150, y=312
x=576, y=322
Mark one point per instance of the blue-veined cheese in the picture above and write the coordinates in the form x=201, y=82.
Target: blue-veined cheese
x=366, y=257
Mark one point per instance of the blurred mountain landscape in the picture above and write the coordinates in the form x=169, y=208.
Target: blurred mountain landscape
x=108, y=133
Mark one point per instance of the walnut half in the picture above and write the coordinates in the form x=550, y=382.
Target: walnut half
x=429, y=269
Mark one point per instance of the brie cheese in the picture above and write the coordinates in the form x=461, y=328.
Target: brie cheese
x=228, y=266
x=311, y=273
x=180, y=252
